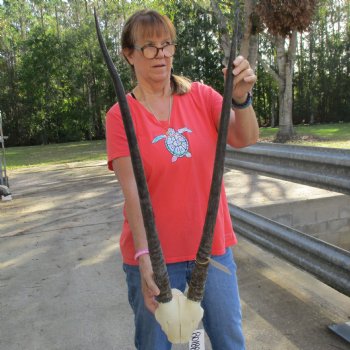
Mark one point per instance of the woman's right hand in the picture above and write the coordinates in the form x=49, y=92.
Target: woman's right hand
x=149, y=287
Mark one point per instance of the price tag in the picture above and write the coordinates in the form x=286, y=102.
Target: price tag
x=197, y=340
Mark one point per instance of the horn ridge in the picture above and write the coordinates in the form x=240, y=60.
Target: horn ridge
x=156, y=255
x=200, y=270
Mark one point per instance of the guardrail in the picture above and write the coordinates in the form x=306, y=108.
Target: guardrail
x=328, y=263
x=325, y=168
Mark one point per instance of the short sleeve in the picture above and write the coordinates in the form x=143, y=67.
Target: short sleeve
x=216, y=105
x=116, y=141
x=211, y=99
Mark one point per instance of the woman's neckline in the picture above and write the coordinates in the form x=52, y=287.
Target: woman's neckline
x=162, y=123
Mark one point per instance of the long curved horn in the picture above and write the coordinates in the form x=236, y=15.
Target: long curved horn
x=159, y=268
x=200, y=270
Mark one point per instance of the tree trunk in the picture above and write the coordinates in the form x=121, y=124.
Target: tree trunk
x=224, y=34
x=42, y=16
x=253, y=51
x=92, y=123
x=249, y=44
x=285, y=66
x=310, y=75
x=57, y=23
x=273, y=112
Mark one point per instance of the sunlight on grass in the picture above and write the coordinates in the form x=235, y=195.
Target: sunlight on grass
x=32, y=156
x=325, y=135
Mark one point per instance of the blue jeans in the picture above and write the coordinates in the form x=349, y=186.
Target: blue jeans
x=222, y=311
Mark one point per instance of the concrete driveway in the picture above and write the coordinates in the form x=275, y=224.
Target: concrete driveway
x=62, y=286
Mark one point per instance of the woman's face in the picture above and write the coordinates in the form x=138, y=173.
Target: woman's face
x=151, y=70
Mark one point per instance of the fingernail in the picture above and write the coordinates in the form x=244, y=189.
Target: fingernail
x=234, y=72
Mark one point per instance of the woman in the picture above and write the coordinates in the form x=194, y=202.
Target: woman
x=176, y=124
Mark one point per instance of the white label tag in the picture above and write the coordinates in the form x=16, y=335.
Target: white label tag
x=197, y=340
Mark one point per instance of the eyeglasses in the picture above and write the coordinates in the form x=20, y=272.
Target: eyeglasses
x=151, y=52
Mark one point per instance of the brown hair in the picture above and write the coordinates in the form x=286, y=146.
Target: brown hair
x=146, y=23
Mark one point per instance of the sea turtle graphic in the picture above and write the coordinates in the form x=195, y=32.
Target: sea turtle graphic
x=175, y=142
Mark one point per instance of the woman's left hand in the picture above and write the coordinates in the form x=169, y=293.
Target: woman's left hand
x=244, y=79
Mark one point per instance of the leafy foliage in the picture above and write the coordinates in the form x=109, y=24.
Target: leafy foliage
x=198, y=53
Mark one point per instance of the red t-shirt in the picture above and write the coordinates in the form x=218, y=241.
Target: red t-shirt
x=178, y=164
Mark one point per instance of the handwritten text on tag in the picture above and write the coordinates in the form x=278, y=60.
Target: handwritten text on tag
x=197, y=340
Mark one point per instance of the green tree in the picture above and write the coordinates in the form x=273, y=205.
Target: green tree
x=198, y=54
x=54, y=85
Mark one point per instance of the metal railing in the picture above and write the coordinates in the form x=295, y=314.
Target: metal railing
x=325, y=168
x=328, y=263
x=315, y=166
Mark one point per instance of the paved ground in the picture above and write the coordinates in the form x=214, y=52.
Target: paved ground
x=62, y=287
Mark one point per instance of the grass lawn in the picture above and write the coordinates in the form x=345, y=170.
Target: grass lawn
x=323, y=135
x=328, y=135
x=31, y=156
